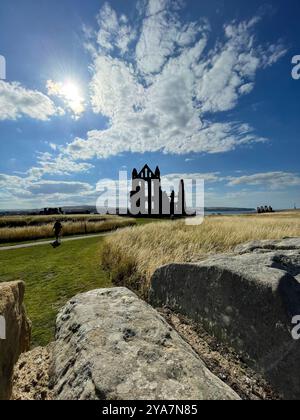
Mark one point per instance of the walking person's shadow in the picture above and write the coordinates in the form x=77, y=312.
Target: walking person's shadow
x=56, y=244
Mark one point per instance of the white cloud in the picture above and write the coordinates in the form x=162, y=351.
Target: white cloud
x=10, y=181
x=272, y=54
x=166, y=95
x=26, y=192
x=247, y=88
x=53, y=146
x=231, y=69
x=58, y=187
x=158, y=37
x=211, y=177
x=273, y=180
x=16, y=102
x=56, y=165
x=162, y=34
x=278, y=189
x=114, y=32
x=114, y=88
x=273, y=188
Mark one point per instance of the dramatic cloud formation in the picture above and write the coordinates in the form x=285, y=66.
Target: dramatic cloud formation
x=16, y=102
x=163, y=88
x=163, y=84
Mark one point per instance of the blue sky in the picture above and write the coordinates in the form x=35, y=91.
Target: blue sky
x=202, y=89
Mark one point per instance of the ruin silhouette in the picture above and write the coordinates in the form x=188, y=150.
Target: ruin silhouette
x=265, y=209
x=149, y=200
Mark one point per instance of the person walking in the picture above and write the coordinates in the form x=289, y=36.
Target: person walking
x=57, y=230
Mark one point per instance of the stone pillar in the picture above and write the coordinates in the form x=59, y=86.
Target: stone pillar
x=149, y=197
x=172, y=206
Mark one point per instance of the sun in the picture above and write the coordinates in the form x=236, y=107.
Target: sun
x=72, y=96
x=69, y=91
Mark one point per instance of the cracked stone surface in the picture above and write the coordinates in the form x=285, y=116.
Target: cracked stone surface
x=111, y=345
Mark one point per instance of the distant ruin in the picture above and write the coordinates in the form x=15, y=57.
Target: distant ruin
x=265, y=209
x=147, y=198
x=51, y=211
x=59, y=211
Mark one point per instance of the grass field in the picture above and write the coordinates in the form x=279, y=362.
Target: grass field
x=23, y=221
x=129, y=258
x=18, y=229
x=53, y=277
x=133, y=254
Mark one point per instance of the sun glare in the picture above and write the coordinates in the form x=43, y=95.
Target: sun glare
x=70, y=92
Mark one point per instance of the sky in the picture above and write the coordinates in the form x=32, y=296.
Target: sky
x=203, y=89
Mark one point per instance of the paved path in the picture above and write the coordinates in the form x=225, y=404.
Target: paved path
x=32, y=244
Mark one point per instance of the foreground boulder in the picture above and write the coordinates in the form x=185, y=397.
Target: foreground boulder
x=247, y=300
x=111, y=345
x=14, y=334
x=288, y=244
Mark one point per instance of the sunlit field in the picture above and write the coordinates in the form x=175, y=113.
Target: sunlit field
x=134, y=253
x=52, y=277
x=20, y=229
x=21, y=221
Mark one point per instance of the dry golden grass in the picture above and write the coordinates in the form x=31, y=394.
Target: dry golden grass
x=32, y=232
x=23, y=221
x=134, y=253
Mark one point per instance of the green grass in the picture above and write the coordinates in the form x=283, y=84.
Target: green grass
x=53, y=277
x=64, y=239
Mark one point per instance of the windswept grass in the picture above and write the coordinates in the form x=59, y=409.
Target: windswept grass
x=135, y=253
x=23, y=221
x=70, y=227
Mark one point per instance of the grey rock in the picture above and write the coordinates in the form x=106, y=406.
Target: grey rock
x=248, y=301
x=17, y=333
x=111, y=345
x=287, y=244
